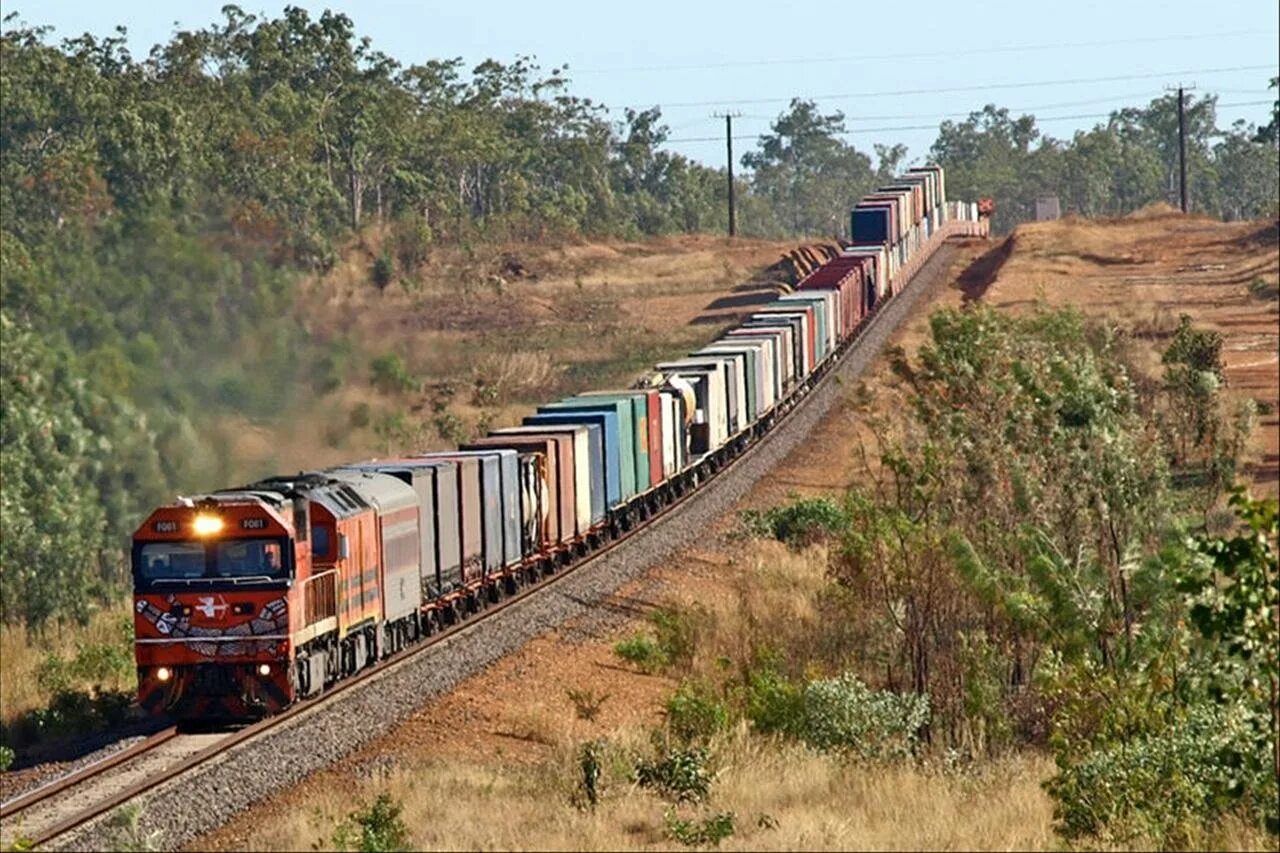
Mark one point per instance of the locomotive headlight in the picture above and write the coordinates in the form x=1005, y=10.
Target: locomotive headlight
x=264, y=669
x=207, y=525
x=163, y=673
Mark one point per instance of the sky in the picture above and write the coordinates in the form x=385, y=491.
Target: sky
x=894, y=69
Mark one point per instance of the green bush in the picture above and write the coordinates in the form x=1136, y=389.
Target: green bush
x=680, y=775
x=694, y=713
x=642, y=651
x=390, y=375
x=384, y=270
x=1165, y=787
x=6, y=758
x=677, y=634
x=804, y=521
x=709, y=831
x=844, y=714
x=774, y=705
x=375, y=829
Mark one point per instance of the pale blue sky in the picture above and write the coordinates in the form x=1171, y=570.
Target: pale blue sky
x=894, y=68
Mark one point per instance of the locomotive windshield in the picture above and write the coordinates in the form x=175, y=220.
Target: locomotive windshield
x=222, y=559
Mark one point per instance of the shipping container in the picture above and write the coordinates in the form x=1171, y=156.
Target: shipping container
x=793, y=325
x=674, y=444
x=623, y=434
x=708, y=426
x=602, y=453
x=871, y=224
x=639, y=403
x=940, y=188
x=779, y=355
x=436, y=485
x=575, y=475
x=750, y=373
x=784, y=352
x=499, y=503
x=540, y=489
x=736, y=368
x=808, y=329
x=823, y=303
x=760, y=392
x=471, y=541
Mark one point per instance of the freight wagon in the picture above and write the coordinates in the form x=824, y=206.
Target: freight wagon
x=250, y=599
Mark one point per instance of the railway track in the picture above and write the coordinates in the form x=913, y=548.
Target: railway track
x=49, y=814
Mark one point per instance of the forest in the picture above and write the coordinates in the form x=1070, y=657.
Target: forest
x=157, y=214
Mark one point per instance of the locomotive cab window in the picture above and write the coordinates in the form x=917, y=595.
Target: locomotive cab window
x=171, y=560
x=233, y=558
x=319, y=540
x=161, y=562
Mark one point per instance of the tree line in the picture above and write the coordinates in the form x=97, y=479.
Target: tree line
x=157, y=212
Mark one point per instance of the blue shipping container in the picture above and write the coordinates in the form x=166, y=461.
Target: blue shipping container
x=606, y=470
x=870, y=225
x=622, y=411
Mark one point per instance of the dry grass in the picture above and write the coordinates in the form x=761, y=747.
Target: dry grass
x=782, y=797
x=21, y=655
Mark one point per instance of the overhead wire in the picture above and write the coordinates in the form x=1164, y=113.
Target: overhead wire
x=1039, y=120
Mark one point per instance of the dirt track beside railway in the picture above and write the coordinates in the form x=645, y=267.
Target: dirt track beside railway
x=182, y=811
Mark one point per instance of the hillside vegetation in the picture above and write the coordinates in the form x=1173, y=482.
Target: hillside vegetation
x=164, y=222
x=894, y=673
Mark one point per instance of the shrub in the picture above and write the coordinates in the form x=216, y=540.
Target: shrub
x=708, y=831
x=694, y=713
x=412, y=239
x=679, y=774
x=773, y=703
x=390, y=375
x=384, y=270
x=1262, y=290
x=125, y=825
x=642, y=651
x=449, y=426
x=802, y=522
x=844, y=714
x=589, y=766
x=375, y=829
x=677, y=632
x=6, y=758
x=1164, y=787
x=586, y=703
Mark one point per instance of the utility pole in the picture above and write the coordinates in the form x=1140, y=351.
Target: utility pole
x=1182, y=146
x=728, y=145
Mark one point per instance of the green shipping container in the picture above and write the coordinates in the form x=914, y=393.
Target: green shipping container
x=639, y=402
x=626, y=428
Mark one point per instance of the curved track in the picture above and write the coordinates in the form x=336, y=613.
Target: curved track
x=47, y=814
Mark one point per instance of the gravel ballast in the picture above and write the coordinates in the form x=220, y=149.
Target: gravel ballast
x=187, y=807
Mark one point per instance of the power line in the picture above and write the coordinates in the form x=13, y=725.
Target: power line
x=934, y=126
x=1060, y=104
x=1163, y=75
x=873, y=57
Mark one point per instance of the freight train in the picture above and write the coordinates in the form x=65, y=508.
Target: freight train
x=250, y=599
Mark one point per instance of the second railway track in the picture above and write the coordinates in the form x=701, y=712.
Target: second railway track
x=71, y=817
